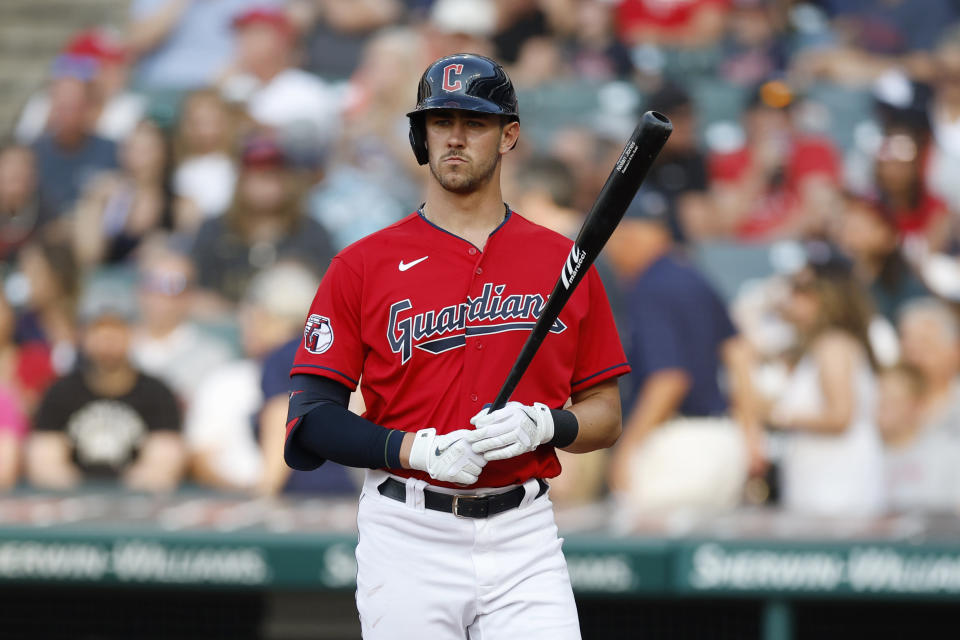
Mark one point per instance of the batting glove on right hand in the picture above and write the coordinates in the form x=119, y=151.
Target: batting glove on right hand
x=448, y=458
x=513, y=430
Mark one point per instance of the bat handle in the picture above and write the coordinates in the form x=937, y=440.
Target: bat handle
x=505, y=392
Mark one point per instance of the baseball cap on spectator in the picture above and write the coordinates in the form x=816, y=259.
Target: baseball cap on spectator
x=471, y=17
x=668, y=98
x=98, y=44
x=898, y=100
x=271, y=16
x=772, y=94
x=284, y=290
x=105, y=298
x=262, y=151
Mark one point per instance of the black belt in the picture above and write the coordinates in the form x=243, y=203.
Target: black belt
x=462, y=506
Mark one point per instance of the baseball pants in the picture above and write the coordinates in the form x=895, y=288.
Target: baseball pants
x=428, y=574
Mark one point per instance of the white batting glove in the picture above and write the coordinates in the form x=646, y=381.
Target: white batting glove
x=448, y=458
x=511, y=431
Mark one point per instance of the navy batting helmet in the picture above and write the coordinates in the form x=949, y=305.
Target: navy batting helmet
x=462, y=81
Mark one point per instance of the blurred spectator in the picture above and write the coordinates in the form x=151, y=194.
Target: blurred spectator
x=868, y=235
x=780, y=183
x=676, y=186
x=275, y=93
x=20, y=212
x=205, y=172
x=48, y=318
x=106, y=60
x=592, y=48
x=348, y=204
x=337, y=30
x=265, y=224
x=930, y=337
x=874, y=36
x=13, y=429
x=222, y=435
x=944, y=161
x=375, y=139
x=166, y=343
x=106, y=420
x=922, y=470
x=679, y=448
x=582, y=152
x=920, y=217
x=676, y=24
x=890, y=27
x=25, y=369
x=545, y=190
x=754, y=48
x=184, y=44
x=832, y=463
x=70, y=155
x=517, y=22
x=456, y=26
x=539, y=65
x=120, y=208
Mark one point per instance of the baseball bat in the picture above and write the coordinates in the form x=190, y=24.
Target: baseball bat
x=621, y=186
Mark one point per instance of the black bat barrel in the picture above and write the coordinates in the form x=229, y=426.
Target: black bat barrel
x=618, y=192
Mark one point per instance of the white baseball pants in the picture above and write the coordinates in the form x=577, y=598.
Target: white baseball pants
x=428, y=574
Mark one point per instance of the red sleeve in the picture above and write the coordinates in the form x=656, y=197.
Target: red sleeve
x=331, y=345
x=729, y=167
x=600, y=353
x=814, y=157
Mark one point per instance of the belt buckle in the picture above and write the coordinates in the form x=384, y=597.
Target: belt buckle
x=456, y=503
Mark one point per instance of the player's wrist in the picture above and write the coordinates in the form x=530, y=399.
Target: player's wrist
x=566, y=427
x=405, y=446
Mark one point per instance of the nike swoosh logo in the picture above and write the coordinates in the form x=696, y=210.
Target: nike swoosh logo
x=437, y=452
x=406, y=265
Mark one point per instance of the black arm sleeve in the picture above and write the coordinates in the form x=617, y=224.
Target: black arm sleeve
x=320, y=428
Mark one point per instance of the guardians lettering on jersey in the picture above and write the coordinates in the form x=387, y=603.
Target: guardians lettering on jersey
x=405, y=332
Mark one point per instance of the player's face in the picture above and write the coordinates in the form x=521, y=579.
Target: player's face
x=465, y=147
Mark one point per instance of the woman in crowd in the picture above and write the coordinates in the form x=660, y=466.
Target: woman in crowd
x=205, y=172
x=833, y=459
x=25, y=369
x=920, y=217
x=123, y=207
x=48, y=318
x=867, y=233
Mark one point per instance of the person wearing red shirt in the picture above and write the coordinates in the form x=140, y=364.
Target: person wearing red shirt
x=457, y=537
x=779, y=183
x=899, y=172
x=690, y=24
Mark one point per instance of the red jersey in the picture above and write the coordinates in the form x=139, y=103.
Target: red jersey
x=429, y=326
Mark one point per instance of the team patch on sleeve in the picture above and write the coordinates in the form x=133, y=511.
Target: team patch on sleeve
x=317, y=334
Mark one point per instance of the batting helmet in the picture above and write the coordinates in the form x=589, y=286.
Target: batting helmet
x=462, y=81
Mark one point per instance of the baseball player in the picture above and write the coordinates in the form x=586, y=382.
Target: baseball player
x=457, y=536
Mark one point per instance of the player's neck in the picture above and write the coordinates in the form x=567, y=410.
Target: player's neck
x=471, y=216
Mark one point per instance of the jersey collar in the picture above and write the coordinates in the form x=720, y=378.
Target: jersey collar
x=506, y=217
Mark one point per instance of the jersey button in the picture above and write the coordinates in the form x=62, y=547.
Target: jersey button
x=479, y=270
x=472, y=251
x=479, y=346
x=474, y=397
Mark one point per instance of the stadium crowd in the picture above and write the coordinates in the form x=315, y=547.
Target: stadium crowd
x=786, y=282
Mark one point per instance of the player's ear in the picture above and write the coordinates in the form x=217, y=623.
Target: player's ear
x=509, y=136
